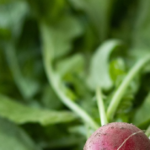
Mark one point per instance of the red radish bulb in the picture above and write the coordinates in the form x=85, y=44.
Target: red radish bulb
x=118, y=136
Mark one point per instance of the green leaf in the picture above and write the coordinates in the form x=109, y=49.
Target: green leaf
x=49, y=98
x=7, y=1
x=140, y=36
x=117, y=69
x=12, y=16
x=71, y=64
x=14, y=138
x=142, y=26
x=68, y=26
x=28, y=87
x=6, y=80
x=99, y=68
x=65, y=141
x=48, y=10
x=54, y=79
x=118, y=95
x=72, y=71
x=98, y=12
x=141, y=116
x=21, y=114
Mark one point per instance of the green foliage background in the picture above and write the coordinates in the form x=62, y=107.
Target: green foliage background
x=54, y=54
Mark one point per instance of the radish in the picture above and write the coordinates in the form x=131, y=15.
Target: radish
x=118, y=136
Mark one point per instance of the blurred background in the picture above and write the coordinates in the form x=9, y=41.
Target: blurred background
x=44, y=42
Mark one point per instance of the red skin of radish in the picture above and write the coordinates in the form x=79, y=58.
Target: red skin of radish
x=118, y=136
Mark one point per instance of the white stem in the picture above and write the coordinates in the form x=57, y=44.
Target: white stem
x=101, y=107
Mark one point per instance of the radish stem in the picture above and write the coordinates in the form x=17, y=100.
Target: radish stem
x=101, y=107
x=55, y=82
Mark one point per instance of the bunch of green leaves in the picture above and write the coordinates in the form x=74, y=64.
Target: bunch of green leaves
x=55, y=54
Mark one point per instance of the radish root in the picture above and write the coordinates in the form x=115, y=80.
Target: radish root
x=128, y=138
